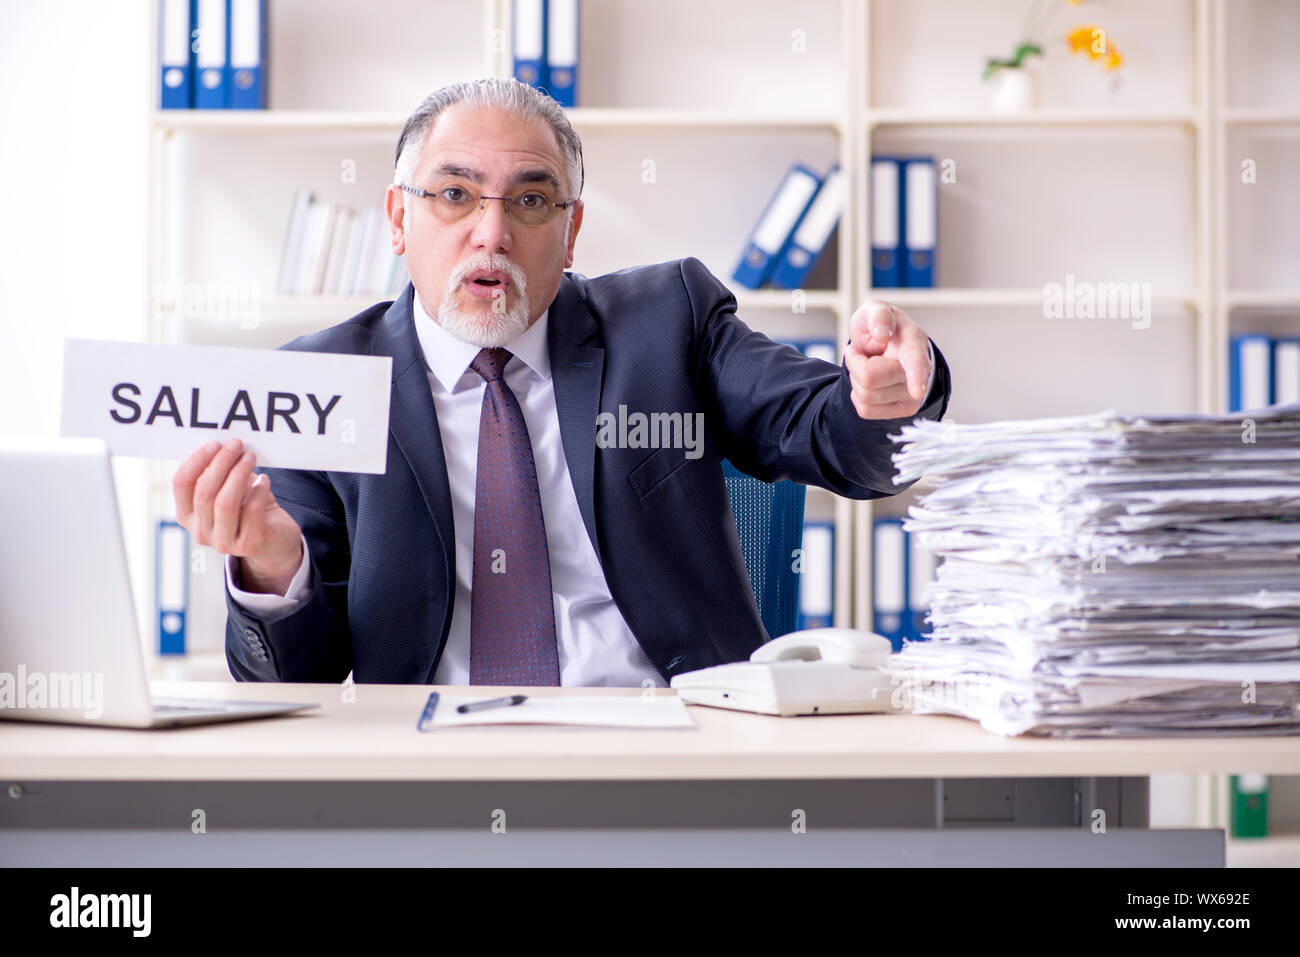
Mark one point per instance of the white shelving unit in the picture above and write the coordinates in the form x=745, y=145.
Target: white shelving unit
x=1240, y=81
x=1032, y=170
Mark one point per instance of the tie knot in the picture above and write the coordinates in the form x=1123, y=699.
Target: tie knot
x=489, y=363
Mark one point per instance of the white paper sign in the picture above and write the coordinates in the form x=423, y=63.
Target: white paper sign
x=300, y=410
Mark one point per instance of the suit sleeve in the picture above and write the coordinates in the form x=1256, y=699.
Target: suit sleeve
x=310, y=641
x=778, y=414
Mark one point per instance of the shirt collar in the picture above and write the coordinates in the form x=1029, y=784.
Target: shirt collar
x=448, y=358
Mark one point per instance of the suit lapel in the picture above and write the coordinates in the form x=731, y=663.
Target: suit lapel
x=413, y=420
x=577, y=370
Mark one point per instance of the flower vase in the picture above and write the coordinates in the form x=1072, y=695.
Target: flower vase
x=1015, y=89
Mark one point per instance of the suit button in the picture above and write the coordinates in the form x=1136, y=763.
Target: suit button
x=250, y=634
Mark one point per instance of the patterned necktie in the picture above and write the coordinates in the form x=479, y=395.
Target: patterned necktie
x=512, y=617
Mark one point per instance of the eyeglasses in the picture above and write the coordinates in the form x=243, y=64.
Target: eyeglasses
x=454, y=203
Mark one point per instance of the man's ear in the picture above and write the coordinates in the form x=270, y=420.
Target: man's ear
x=395, y=207
x=574, y=226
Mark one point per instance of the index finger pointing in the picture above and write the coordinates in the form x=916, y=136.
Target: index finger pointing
x=872, y=326
x=914, y=357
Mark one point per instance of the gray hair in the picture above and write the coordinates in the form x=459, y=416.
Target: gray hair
x=521, y=99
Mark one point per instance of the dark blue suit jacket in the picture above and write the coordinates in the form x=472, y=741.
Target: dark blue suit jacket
x=661, y=338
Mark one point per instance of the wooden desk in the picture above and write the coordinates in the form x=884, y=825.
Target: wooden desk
x=919, y=788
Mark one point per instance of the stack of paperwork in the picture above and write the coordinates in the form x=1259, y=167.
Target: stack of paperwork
x=1110, y=575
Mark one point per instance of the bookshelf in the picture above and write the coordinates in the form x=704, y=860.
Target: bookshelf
x=1219, y=83
x=1061, y=189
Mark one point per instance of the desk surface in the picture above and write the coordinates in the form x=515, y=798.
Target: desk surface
x=374, y=738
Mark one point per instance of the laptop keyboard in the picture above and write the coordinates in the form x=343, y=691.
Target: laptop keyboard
x=182, y=707
x=165, y=708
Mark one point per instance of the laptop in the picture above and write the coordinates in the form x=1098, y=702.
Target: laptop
x=70, y=648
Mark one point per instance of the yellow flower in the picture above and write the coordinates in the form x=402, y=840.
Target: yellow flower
x=1085, y=39
x=1080, y=39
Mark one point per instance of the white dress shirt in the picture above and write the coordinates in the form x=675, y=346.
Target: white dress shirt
x=596, y=646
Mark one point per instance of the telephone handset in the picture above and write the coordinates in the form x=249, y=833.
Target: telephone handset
x=857, y=649
x=819, y=671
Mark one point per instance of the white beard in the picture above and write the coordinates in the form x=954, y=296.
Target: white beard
x=482, y=325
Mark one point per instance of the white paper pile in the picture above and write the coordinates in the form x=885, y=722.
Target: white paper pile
x=1110, y=575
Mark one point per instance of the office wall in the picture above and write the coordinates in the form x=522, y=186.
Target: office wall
x=76, y=77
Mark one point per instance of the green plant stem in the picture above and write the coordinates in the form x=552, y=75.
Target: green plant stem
x=1048, y=15
x=1030, y=18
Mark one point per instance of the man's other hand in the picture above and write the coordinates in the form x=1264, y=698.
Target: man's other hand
x=888, y=361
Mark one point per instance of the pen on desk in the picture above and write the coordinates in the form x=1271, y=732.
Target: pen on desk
x=506, y=702
x=427, y=715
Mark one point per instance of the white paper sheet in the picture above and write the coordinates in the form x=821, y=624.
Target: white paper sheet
x=592, y=711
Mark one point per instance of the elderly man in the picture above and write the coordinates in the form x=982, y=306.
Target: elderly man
x=509, y=542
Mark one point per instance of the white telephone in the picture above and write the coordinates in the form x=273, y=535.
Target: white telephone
x=819, y=671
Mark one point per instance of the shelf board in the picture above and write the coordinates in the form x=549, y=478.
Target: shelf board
x=781, y=298
x=280, y=306
x=1262, y=297
x=584, y=119
x=1260, y=116
x=277, y=121
x=1059, y=117
x=314, y=304
x=972, y=297
x=305, y=307
x=603, y=118
x=593, y=118
x=280, y=310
